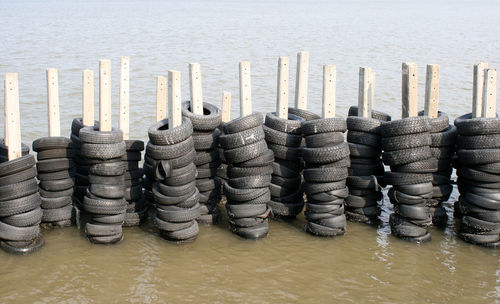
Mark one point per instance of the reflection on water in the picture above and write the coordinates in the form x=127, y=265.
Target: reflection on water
x=290, y=265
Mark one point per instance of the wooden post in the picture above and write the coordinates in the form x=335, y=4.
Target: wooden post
x=490, y=94
x=88, y=98
x=226, y=106
x=174, y=99
x=53, y=102
x=282, y=98
x=410, y=90
x=125, y=97
x=104, y=95
x=366, y=92
x=196, y=89
x=431, y=91
x=301, y=80
x=12, y=119
x=161, y=98
x=245, y=89
x=477, y=88
x=329, y=81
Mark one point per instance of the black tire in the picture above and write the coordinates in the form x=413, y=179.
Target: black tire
x=208, y=184
x=401, y=142
x=418, y=213
x=445, y=152
x=397, y=178
x=13, y=191
x=254, y=232
x=364, y=138
x=363, y=182
x=29, y=218
x=326, y=154
x=292, y=125
x=18, y=177
x=211, y=118
x=107, y=191
x=353, y=111
x=240, y=139
x=108, y=169
x=57, y=185
x=324, y=231
x=243, y=123
x=288, y=210
x=428, y=165
x=362, y=124
x=263, y=160
x=115, y=219
x=179, y=216
x=324, y=125
x=478, y=157
x=104, y=206
x=307, y=115
x=134, y=145
x=55, y=194
x=206, y=141
x=106, y=180
x=171, y=226
x=468, y=126
x=406, y=156
x=324, y=139
x=54, y=165
x=415, y=189
x=206, y=157
x=489, y=141
x=130, y=156
x=57, y=215
x=405, y=126
x=447, y=137
x=245, y=153
x=4, y=150
x=235, y=172
x=312, y=188
x=281, y=138
x=177, y=190
x=245, y=210
x=19, y=205
x=13, y=233
x=17, y=165
x=103, y=151
x=403, y=228
x=322, y=175
x=94, y=229
x=65, y=174
x=50, y=143
x=188, y=233
x=170, y=151
x=438, y=124
x=282, y=170
x=55, y=202
x=160, y=134
x=188, y=174
x=285, y=153
x=363, y=151
x=161, y=199
x=478, y=176
x=93, y=135
x=293, y=182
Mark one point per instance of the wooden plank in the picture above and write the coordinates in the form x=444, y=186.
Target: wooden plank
x=12, y=119
x=245, y=89
x=477, y=88
x=53, y=102
x=174, y=99
x=161, y=98
x=365, y=92
x=431, y=91
x=196, y=89
x=409, y=90
x=302, y=80
x=105, y=95
x=490, y=94
x=124, y=122
x=329, y=82
x=88, y=98
x=283, y=80
x=226, y=106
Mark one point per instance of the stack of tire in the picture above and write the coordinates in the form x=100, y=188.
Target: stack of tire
x=56, y=175
x=104, y=199
x=249, y=176
x=443, y=140
x=284, y=137
x=206, y=141
x=137, y=209
x=170, y=159
x=20, y=212
x=478, y=171
x=222, y=169
x=406, y=144
x=366, y=172
x=326, y=157
x=81, y=165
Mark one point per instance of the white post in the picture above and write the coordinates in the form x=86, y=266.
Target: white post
x=12, y=119
x=88, y=98
x=196, y=89
x=490, y=93
x=431, y=91
x=245, y=89
x=174, y=99
x=125, y=97
x=53, y=102
x=282, y=98
x=410, y=90
x=477, y=88
x=301, y=80
x=161, y=98
x=366, y=92
x=105, y=95
x=329, y=81
x=226, y=106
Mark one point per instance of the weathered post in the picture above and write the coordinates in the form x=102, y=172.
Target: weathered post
x=302, y=80
x=329, y=82
x=174, y=99
x=226, y=106
x=282, y=97
x=125, y=97
x=196, y=89
x=245, y=89
x=161, y=98
x=88, y=98
x=409, y=90
x=53, y=102
x=104, y=95
x=431, y=91
x=12, y=119
x=477, y=88
x=490, y=94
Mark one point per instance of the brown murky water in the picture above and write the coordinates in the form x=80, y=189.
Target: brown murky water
x=289, y=266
